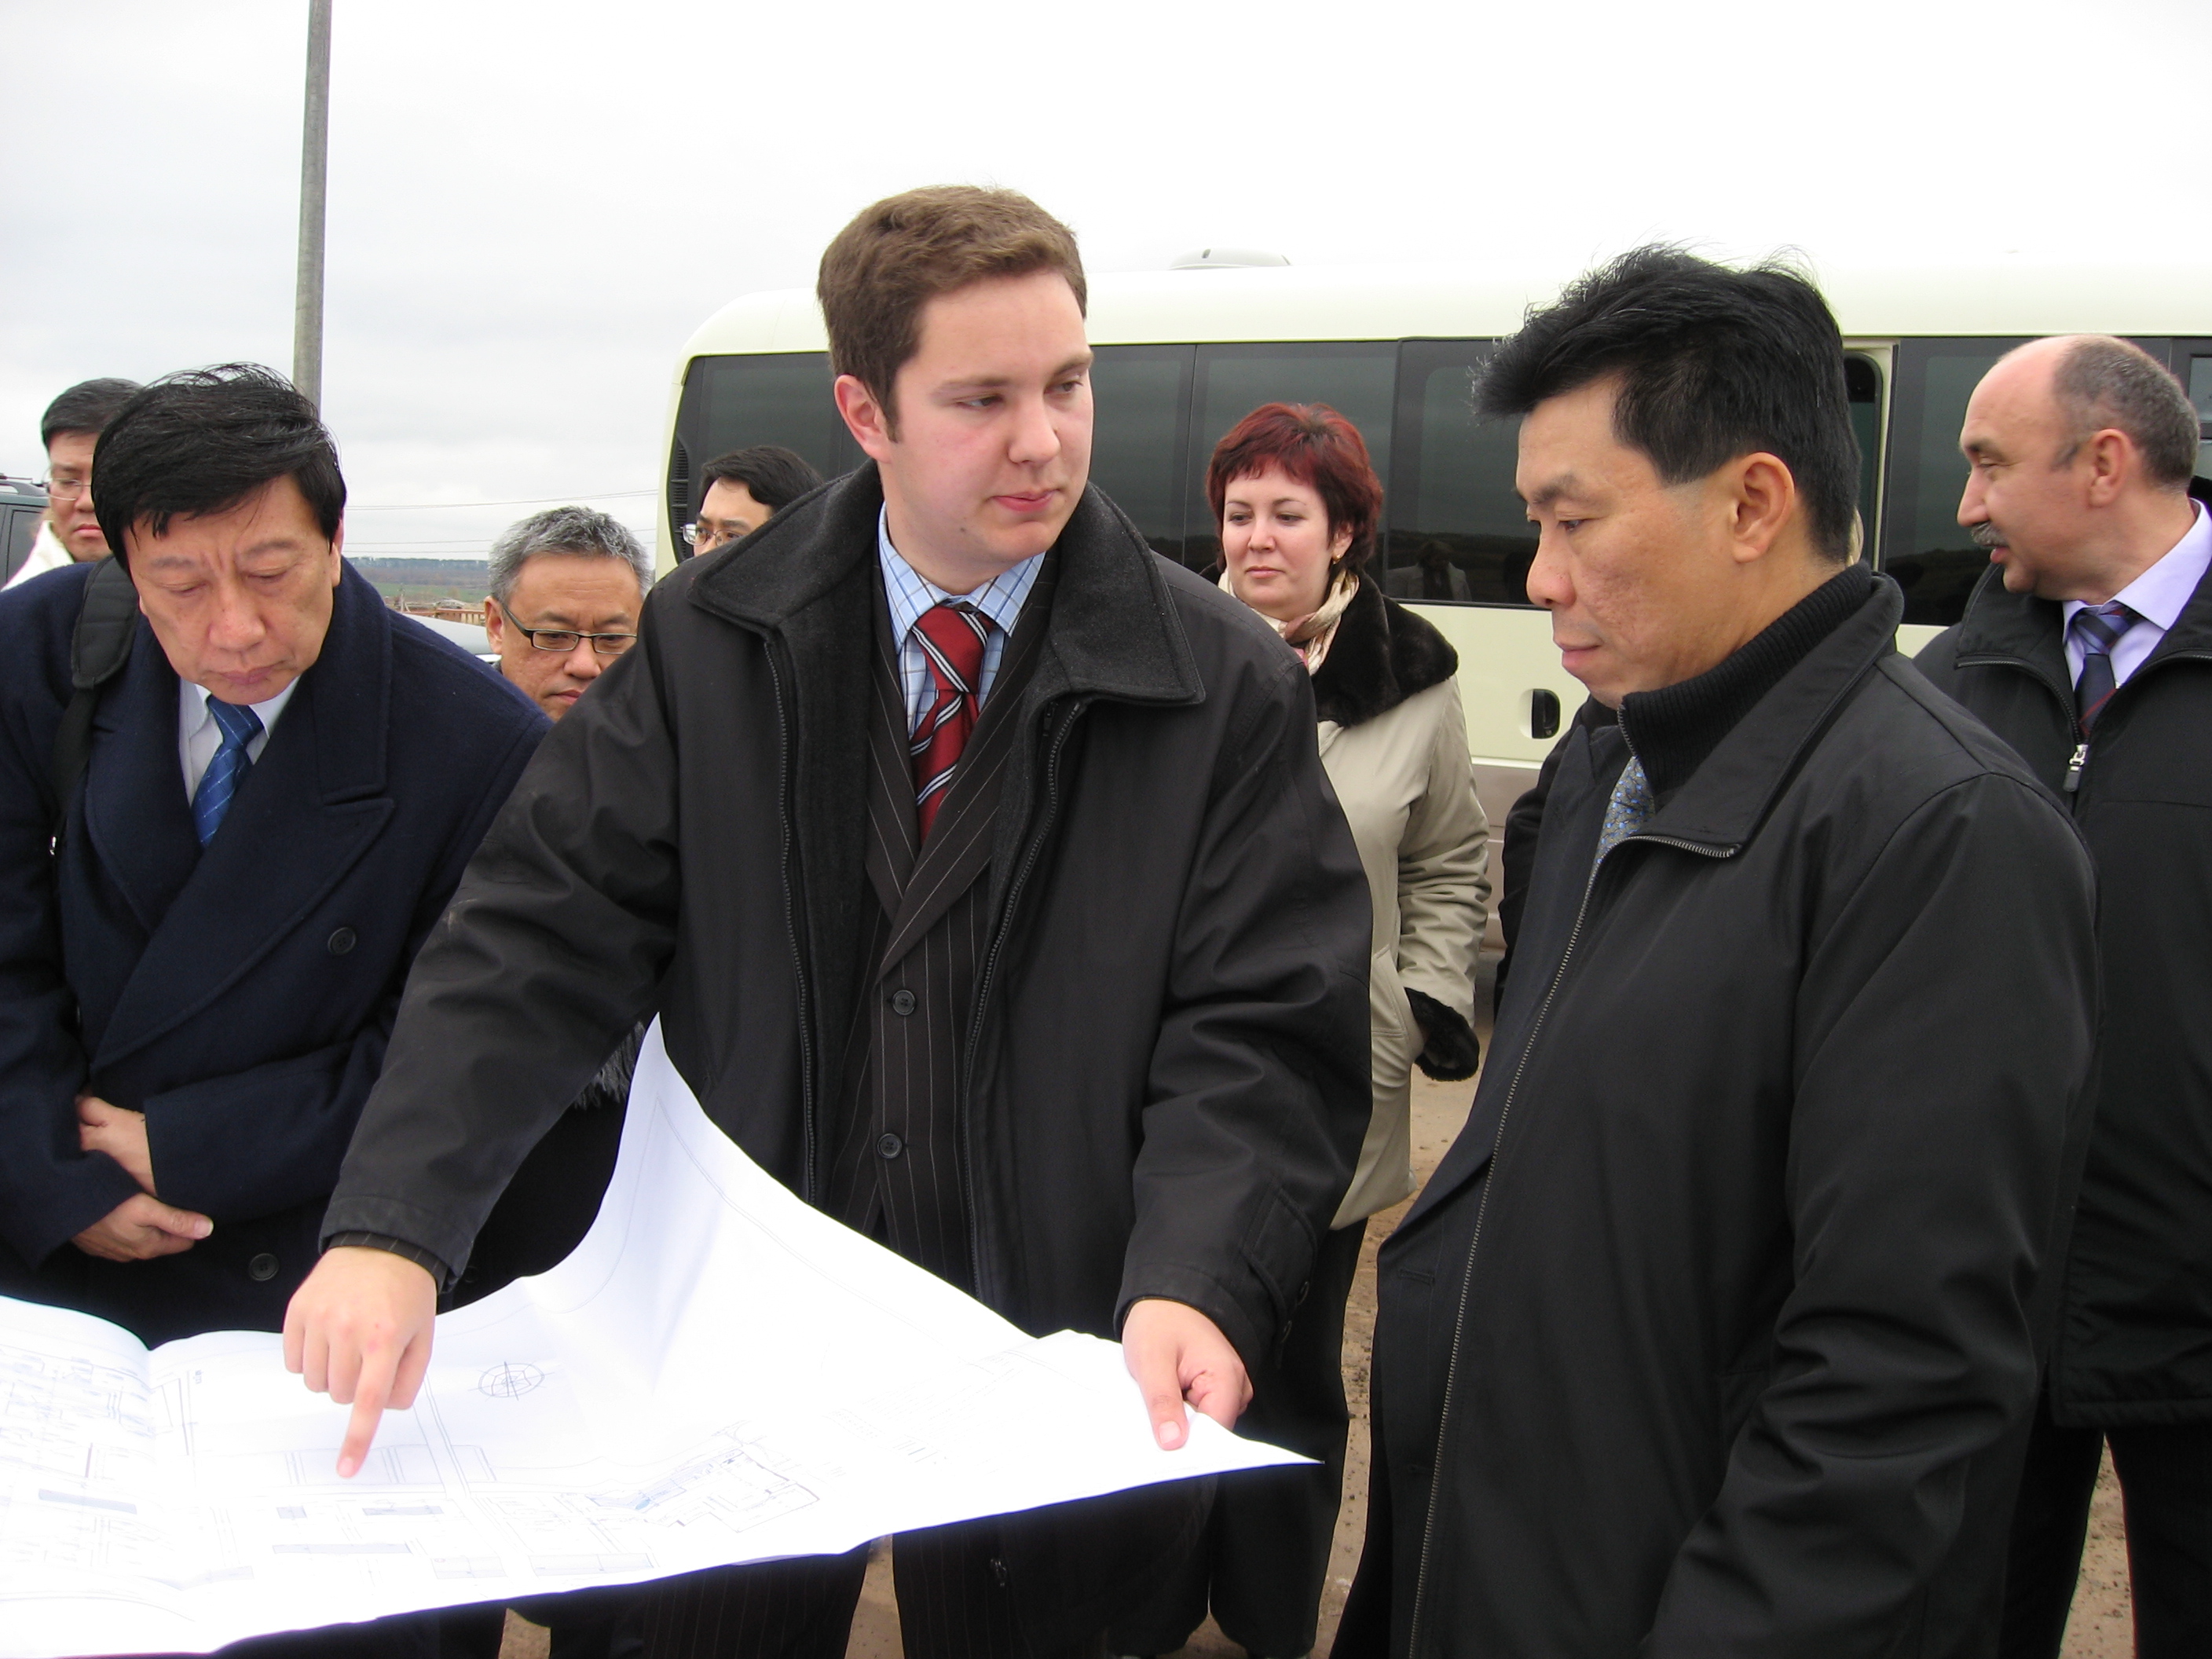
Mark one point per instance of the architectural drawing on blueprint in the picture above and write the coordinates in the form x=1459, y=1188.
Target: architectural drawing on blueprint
x=717, y=1374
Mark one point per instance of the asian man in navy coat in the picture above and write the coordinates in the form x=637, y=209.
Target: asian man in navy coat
x=281, y=788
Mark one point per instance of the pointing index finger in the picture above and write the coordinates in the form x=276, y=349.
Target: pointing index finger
x=374, y=1388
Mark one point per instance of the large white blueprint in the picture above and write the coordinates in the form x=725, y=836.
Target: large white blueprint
x=718, y=1374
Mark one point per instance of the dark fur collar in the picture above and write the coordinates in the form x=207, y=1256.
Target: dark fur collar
x=1382, y=655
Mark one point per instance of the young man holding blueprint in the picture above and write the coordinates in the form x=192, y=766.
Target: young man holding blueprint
x=980, y=866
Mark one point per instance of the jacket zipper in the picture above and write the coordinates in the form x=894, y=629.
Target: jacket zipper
x=2080, y=758
x=1482, y=1209
x=983, y=979
x=791, y=930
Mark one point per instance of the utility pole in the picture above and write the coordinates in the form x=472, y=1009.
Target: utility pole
x=314, y=178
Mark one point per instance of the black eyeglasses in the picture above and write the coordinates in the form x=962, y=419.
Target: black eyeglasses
x=564, y=641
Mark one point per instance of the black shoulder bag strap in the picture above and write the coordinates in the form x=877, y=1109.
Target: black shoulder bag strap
x=107, y=622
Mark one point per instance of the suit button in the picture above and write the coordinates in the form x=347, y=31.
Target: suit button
x=902, y=1002
x=889, y=1146
x=262, y=1268
x=341, y=941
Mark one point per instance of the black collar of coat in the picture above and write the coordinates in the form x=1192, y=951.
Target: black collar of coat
x=1673, y=729
x=2020, y=629
x=1722, y=804
x=1382, y=654
x=1113, y=631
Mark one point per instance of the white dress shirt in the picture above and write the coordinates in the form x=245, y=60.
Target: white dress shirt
x=46, y=554
x=2158, y=597
x=1000, y=598
x=198, y=737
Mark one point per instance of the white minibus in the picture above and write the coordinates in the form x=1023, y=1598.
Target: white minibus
x=1183, y=354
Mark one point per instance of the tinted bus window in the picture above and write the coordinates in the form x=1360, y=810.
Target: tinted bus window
x=1932, y=559
x=730, y=402
x=1458, y=531
x=2196, y=372
x=1863, y=385
x=1140, y=401
x=21, y=525
x=1355, y=377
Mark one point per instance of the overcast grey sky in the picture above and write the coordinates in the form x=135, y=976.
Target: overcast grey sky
x=532, y=205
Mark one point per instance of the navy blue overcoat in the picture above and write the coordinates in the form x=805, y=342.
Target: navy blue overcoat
x=240, y=996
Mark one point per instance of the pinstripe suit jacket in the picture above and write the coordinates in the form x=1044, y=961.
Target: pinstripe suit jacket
x=896, y=1171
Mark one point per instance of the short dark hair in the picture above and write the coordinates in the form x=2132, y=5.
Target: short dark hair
x=203, y=440
x=772, y=475
x=1715, y=363
x=88, y=406
x=905, y=251
x=2102, y=382
x=1317, y=446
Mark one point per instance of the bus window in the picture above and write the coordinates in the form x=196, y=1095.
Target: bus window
x=1458, y=531
x=1863, y=385
x=1140, y=403
x=1355, y=377
x=2197, y=375
x=1922, y=547
x=771, y=397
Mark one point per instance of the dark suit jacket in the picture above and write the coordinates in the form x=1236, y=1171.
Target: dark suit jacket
x=240, y=997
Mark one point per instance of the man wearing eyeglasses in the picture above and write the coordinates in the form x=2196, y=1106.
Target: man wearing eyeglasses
x=745, y=488
x=566, y=585
x=69, y=430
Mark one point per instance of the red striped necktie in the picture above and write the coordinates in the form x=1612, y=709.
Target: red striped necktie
x=952, y=635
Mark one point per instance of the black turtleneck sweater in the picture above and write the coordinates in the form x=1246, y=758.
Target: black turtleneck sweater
x=1672, y=730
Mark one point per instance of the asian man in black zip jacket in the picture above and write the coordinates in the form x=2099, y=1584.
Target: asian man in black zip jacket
x=1714, y=1332
x=2088, y=649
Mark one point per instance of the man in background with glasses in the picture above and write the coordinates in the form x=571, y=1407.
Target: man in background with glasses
x=567, y=585
x=744, y=487
x=69, y=430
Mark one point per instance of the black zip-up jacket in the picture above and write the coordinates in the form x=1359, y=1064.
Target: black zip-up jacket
x=1167, y=1065
x=2134, y=1335
x=1706, y=1337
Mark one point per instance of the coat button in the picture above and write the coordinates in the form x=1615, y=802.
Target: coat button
x=262, y=1268
x=889, y=1146
x=902, y=1002
x=341, y=941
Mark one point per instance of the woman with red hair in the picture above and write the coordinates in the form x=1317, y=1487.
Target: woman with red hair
x=1298, y=504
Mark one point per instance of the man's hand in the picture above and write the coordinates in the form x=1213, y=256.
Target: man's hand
x=141, y=1228
x=120, y=1133
x=360, y=1330
x=1177, y=1354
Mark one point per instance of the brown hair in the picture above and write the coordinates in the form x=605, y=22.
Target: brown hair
x=897, y=256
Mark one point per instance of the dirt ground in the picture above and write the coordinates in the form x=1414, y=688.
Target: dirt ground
x=2101, y=1628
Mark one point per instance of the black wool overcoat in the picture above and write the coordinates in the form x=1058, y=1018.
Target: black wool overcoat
x=1166, y=1068
x=2134, y=1333
x=240, y=996
x=1710, y=1333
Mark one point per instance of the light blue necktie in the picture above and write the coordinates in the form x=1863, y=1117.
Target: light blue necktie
x=1628, y=812
x=240, y=726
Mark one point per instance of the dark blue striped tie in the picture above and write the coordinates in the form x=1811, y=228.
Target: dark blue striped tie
x=240, y=726
x=2098, y=629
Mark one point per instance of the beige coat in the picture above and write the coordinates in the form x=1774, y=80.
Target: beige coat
x=1406, y=787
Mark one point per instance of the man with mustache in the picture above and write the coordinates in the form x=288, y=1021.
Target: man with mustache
x=2088, y=649
x=981, y=866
